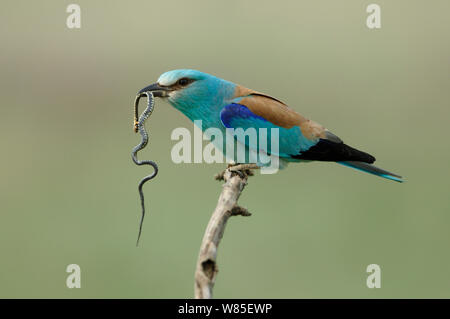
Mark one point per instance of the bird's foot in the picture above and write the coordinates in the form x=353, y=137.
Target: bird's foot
x=243, y=170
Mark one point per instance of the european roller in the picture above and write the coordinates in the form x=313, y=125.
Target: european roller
x=224, y=105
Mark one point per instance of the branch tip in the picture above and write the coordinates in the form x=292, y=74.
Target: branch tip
x=238, y=210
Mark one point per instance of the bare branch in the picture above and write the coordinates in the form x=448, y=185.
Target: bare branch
x=206, y=270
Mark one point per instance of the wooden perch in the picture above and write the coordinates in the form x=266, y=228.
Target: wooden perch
x=235, y=178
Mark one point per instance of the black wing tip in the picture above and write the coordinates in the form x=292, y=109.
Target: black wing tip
x=329, y=151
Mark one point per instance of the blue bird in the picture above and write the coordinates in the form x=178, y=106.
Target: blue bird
x=224, y=105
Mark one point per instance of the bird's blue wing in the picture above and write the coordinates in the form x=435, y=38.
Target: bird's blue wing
x=290, y=142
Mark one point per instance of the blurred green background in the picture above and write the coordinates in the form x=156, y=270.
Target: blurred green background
x=68, y=185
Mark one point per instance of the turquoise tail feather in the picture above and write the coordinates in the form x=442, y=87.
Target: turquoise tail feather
x=371, y=169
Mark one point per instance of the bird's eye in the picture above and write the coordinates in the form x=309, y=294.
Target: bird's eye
x=183, y=81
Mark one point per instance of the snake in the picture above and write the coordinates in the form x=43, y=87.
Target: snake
x=139, y=127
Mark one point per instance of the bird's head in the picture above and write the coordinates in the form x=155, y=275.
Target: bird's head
x=189, y=89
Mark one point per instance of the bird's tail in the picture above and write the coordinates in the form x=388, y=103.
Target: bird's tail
x=372, y=169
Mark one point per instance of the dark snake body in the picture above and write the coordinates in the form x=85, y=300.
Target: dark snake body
x=139, y=126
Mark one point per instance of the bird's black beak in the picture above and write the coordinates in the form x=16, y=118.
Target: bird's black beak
x=156, y=89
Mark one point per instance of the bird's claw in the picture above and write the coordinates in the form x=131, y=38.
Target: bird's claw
x=243, y=170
